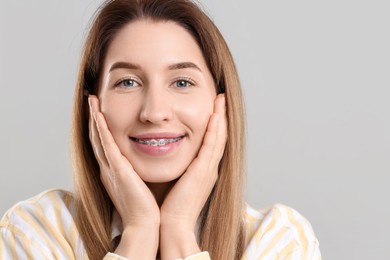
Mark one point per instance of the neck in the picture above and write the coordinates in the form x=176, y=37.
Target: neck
x=160, y=190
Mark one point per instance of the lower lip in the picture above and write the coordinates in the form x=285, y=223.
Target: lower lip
x=158, y=150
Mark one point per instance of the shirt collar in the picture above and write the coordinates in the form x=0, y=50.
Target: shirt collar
x=116, y=225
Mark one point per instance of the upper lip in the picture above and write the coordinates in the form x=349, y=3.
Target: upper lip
x=163, y=135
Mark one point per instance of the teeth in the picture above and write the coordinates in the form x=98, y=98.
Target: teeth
x=158, y=142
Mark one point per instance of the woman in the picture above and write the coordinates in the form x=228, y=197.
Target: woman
x=158, y=152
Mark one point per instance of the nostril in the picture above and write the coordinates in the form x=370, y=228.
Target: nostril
x=156, y=113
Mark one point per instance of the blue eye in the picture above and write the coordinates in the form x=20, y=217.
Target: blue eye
x=126, y=83
x=183, y=83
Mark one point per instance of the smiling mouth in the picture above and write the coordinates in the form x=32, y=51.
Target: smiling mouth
x=157, y=141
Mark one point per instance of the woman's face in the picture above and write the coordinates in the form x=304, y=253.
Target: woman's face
x=157, y=95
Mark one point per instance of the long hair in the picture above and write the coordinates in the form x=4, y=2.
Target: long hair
x=221, y=227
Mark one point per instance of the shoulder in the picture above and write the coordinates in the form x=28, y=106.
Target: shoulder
x=279, y=216
x=47, y=204
x=44, y=224
x=278, y=231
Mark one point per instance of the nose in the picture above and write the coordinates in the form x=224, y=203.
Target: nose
x=156, y=107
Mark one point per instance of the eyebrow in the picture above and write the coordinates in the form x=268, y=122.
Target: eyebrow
x=176, y=66
x=124, y=65
x=184, y=65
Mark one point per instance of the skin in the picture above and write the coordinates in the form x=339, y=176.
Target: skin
x=155, y=104
x=159, y=197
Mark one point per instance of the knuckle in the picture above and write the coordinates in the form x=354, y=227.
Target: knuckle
x=119, y=170
x=214, y=177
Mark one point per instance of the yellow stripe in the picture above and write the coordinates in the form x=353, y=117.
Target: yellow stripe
x=270, y=226
x=314, y=251
x=286, y=252
x=74, y=234
x=296, y=224
x=249, y=231
x=58, y=211
x=12, y=245
x=58, y=208
x=73, y=231
x=54, y=234
x=250, y=218
x=53, y=230
x=49, y=227
x=27, y=248
x=273, y=242
x=27, y=218
x=2, y=242
x=39, y=222
x=305, y=250
x=302, y=237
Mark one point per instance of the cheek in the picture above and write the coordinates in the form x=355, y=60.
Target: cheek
x=195, y=113
x=118, y=114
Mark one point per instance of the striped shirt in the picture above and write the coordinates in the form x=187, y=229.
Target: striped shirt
x=43, y=227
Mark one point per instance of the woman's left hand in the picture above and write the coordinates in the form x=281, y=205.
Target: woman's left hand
x=183, y=204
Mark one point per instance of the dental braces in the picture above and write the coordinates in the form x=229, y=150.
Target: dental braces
x=159, y=142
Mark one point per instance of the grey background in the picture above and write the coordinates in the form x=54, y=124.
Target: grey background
x=316, y=81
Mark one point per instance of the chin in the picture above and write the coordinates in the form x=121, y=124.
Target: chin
x=159, y=176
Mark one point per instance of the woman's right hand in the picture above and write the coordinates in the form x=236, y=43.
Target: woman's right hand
x=133, y=200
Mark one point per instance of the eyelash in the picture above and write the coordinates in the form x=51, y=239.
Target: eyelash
x=189, y=81
x=121, y=81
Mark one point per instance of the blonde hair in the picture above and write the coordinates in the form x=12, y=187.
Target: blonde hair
x=221, y=227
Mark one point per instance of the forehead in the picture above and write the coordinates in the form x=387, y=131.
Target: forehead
x=147, y=42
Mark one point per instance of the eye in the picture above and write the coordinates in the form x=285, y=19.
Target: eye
x=126, y=83
x=184, y=83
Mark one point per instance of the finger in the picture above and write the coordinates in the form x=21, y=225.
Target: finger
x=214, y=140
x=208, y=146
x=210, y=137
x=219, y=104
x=216, y=123
x=220, y=109
x=94, y=133
x=111, y=150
